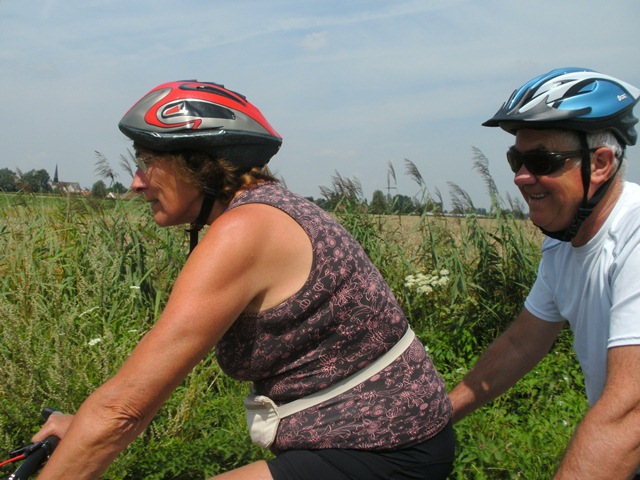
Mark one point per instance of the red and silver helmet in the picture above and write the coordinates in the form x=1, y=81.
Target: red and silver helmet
x=203, y=117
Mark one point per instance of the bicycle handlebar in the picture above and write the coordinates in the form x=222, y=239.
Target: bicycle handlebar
x=35, y=454
x=36, y=458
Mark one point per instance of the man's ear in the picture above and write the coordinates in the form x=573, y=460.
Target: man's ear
x=603, y=166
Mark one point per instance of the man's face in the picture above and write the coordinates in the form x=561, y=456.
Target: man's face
x=553, y=199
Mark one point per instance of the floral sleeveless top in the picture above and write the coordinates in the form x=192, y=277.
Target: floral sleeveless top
x=343, y=319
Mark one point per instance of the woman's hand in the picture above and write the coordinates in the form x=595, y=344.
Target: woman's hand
x=57, y=424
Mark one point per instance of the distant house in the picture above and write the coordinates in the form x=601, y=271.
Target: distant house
x=66, y=188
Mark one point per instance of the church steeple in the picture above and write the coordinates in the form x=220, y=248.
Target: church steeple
x=55, y=175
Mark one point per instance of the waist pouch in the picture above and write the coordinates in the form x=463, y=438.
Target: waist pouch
x=263, y=415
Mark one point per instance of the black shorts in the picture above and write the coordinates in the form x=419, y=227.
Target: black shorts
x=431, y=459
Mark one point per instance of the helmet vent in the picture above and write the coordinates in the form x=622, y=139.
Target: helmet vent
x=216, y=89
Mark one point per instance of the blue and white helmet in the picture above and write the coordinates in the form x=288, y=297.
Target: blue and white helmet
x=572, y=99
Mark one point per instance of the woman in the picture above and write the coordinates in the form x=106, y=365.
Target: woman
x=287, y=298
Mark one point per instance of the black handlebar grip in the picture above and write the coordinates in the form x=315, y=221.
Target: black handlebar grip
x=36, y=459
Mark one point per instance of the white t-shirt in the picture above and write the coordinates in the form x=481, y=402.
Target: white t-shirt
x=596, y=287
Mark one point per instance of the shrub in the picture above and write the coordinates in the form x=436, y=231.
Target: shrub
x=83, y=279
x=460, y=285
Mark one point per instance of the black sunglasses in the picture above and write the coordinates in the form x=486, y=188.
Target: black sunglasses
x=540, y=162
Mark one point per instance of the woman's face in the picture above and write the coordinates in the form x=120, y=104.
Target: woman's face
x=173, y=200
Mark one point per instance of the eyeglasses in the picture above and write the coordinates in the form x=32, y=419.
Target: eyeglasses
x=540, y=162
x=143, y=162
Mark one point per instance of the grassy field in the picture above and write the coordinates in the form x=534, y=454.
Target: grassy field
x=82, y=280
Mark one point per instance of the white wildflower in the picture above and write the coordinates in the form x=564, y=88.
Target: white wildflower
x=94, y=341
x=425, y=284
x=409, y=281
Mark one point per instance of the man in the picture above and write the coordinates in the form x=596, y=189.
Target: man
x=571, y=128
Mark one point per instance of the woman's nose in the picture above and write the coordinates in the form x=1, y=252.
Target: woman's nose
x=138, y=183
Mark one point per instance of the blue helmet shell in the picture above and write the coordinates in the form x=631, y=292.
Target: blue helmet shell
x=572, y=99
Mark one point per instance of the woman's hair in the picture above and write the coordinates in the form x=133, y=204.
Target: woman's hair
x=219, y=175
x=205, y=171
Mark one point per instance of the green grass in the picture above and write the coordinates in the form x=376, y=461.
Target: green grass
x=82, y=280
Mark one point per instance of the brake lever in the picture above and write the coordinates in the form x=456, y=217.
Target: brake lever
x=27, y=450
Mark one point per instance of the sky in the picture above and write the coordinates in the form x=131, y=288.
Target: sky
x=352, y=86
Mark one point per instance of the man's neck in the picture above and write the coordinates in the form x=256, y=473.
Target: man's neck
x=594, y=222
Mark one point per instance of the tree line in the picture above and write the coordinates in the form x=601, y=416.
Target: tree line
x=347, y=192
x=39, y=181
x=342, y=192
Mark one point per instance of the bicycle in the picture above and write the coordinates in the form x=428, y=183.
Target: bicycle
x=35, y=455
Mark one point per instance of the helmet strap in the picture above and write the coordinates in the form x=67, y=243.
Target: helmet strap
x=210, y=196
x=588, y=205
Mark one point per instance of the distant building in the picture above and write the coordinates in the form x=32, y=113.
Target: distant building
x=66, y=188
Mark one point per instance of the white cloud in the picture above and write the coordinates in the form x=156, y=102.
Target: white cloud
x=350, y=85
x=315, y=41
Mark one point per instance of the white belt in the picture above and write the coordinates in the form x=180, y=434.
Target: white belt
x=263, y=415
x=351, y=381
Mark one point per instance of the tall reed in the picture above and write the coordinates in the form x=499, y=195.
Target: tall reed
x=461, y=280
x=82, y=281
